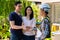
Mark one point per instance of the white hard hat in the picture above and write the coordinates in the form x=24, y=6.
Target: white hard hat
x=45, y=7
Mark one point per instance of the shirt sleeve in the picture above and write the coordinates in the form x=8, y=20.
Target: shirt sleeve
x=11, y=17
x=46, y=25
x=34, y=23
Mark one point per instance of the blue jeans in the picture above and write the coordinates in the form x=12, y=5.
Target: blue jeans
x=14, y=37
x=25, y=37
x=16, y=34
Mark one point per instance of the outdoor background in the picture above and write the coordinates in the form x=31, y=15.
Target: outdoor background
x=7, y=6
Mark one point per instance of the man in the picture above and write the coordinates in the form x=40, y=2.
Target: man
x=15, y=20
x=45, y=24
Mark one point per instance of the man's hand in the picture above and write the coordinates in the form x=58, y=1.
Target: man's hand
x=23, y=27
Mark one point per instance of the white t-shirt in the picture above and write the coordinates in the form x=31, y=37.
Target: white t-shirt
x=38, y=33
x=31, y=23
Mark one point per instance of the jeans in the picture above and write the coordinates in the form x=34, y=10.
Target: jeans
x=14, y=37
x=25, y=37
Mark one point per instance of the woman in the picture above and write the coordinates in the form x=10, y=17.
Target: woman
x=29, y=23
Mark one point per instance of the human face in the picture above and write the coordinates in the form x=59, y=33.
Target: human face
x=28, y=11
x=18, y=7
x=42, y=12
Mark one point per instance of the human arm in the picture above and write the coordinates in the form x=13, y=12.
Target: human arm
x=45, y=28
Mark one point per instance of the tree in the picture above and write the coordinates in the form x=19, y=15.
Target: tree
x=7, y=6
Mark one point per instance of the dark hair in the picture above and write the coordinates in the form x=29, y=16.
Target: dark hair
x=18, y=2
x=31, y=15
x=46, y=12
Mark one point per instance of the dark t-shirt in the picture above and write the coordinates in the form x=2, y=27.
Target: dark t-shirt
x=18, y=22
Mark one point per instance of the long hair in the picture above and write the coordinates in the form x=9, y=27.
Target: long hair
x=31, y=15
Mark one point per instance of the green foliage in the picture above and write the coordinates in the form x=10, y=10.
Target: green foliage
x=7, y=6
x=36, y=11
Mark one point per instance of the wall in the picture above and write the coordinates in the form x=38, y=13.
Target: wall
x=55, y=12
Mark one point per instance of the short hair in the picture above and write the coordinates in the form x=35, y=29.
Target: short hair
x=18, y=2
x=31, y=15
x=46, y=12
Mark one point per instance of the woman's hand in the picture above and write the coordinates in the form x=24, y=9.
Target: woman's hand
x=28, y=28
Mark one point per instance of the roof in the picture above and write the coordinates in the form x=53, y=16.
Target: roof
x=45, y=1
